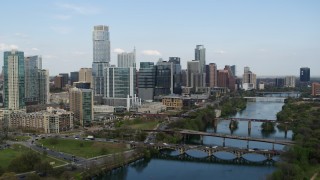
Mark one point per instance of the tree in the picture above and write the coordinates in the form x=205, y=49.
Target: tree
x=25, y=162
x=32, y=176
x=1, y=170
x=8, y=176
x=43, y=167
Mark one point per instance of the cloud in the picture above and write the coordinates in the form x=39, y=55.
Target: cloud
x=219, y=51
x=34, y=49
x=85, y=10
x=62, y=17
x=118, y=50
x=263, y=50
x=7, y=47
x=151, y=52
x=61, y=29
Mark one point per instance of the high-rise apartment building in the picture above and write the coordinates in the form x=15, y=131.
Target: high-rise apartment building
x=223, y=78
x=290, y=81
x=212, y=75
x=101, y=57
x=304, y=74
x=195, y=78
x=14, y=80
x=200, y=55
x=58, y=82
x=43, y=79
x=233, y=70
x=249, y=80
x=74, y=77
x=81, y=104
x=119, y=84
x=127, y=59
x=146, y=80
x=32, y=65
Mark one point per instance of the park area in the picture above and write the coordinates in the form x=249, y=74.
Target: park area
x=139, y=124
x=7, y=155
x=82, y=148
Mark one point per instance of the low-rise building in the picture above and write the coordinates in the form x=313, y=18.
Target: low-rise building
x=173, y=102
x=315, y=89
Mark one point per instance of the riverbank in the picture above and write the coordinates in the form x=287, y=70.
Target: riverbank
x=302, y=160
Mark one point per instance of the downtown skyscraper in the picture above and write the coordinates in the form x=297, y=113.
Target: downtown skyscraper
x=200, y=55
x=101, y=57
x=14, y=88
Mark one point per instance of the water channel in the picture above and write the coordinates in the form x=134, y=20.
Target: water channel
x=175, y=169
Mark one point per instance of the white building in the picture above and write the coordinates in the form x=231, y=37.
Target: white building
x=249, y=80
x=127, y=59
x=290, y=81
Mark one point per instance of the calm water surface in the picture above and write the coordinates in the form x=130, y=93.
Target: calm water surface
x=174, y=169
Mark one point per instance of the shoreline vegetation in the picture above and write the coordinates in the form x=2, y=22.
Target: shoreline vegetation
x=302, y=160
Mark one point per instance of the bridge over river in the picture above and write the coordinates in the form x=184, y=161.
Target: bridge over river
x=224, y=136
x=211, y=151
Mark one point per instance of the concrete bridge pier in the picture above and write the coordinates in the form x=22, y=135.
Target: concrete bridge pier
x=181, y=151
x=215, y=125
x=249, y=125
x=272, y=146
x=285, y=131
x=248, y=144
x=224, y=142
x=201, y=139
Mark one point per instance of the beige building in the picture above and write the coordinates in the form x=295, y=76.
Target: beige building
x=172, y=102
x=49, y=121
x=315, y=89
x=85, y=75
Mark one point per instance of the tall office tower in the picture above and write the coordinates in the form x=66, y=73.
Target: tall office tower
x=146, y=80
x=200, y=55
x=81, y=104
x=127, y=59
x=233, y=70
x=176, y=74
x=290, y=81
x=120, y=83
x=31, y=66
x=44, y=89
x=212, y=75
x=85, y=75
x=249, y=80
x=101, y=57
x=14, y=89
x=195, y=78
x=231, y=78
x=223, y=78
x=279, y=82
x=164, y=78
x=65, y=79
x=304, y=74
x=74, y=77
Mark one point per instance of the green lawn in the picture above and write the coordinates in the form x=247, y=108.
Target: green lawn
x=144, y=125
x=22, y=138
x=7, y=155
x=86, y=149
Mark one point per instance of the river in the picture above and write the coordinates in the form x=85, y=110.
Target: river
x=175, y=169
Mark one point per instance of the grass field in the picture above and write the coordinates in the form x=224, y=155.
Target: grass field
x=86, y=149
x=7, y=155
x=144, y=125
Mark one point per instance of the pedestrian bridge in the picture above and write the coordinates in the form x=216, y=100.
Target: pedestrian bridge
x=211, y=150
x=265, y=99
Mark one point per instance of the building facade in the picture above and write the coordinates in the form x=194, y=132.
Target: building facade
x=146, y=80
x=119, y=84
x=127, y=59
x=249, y=79
x=74, y=77
x=81, y=104
x=32, y=65
x=14, y=80
x=200, y=55
x=315, y=89
x=290, y=81
x=65, y=79
x=44, y=89
x=176, y=69
x=101, y=57
x=304, y=74
x=164, y=78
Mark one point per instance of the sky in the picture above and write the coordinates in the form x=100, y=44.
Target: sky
x=272, y=37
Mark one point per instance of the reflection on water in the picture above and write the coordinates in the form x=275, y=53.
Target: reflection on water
x=174, y=169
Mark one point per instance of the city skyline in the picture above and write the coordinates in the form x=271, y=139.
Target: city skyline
x=273, y=38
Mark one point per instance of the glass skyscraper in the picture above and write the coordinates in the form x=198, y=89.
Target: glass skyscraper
x=101, y=57
x=200, y=55
x=304, y=74
x=14, y=80
x=146, y=80
x=32, y=64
